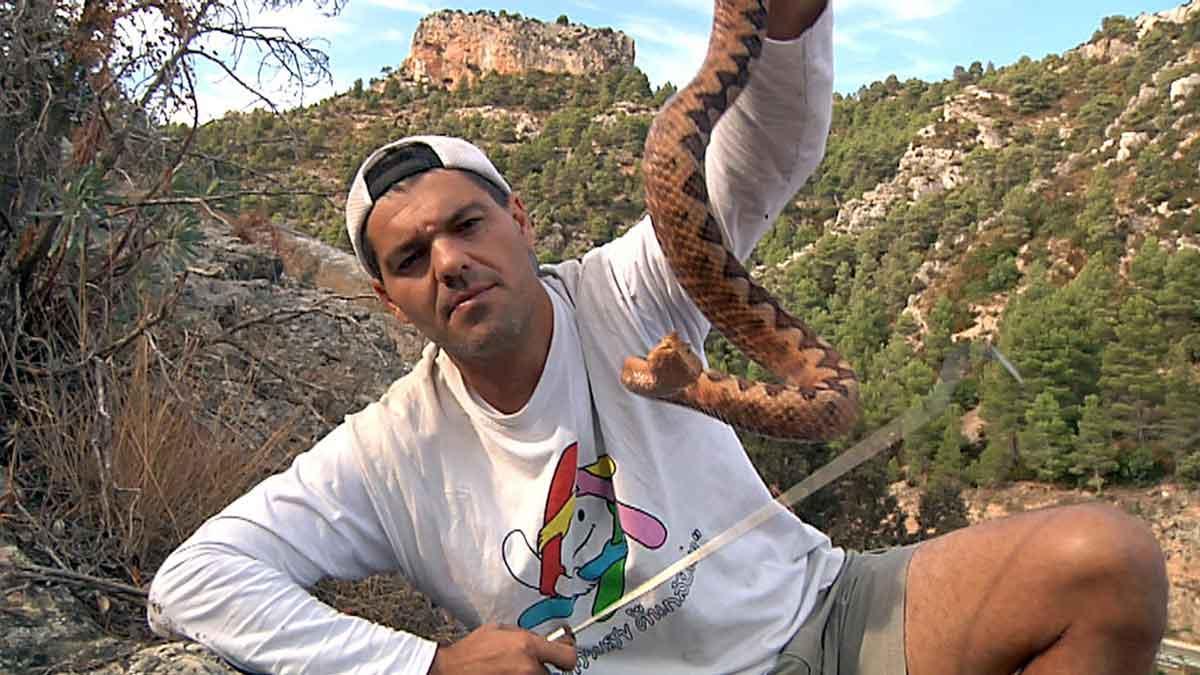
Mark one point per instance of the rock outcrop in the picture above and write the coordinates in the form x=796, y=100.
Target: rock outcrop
x=450, y=47
x=47, y=629
x=923, y=170
x=1180, y=14
x=1183, y=88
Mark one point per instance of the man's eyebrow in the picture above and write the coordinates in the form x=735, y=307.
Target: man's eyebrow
x=474, y=205
x=408, y=244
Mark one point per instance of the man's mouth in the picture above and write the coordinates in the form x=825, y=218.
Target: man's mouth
x=467, y=299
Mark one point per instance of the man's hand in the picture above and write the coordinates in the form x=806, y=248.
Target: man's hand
x=787, y=19
x=503, y=650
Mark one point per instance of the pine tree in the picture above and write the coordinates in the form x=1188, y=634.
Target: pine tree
x=1132, y=387
x=863, y=330
x=941, y=329
x=1095, y=457
x=1045, y=441
x=1147, y=270
x=996, y=463
x=893, y=380
x=941, y=508
x=1181, y=416
x=948, y=461
x=1179, y=300
x=1054, y=337
x=1091, y=293
x=1097, y=222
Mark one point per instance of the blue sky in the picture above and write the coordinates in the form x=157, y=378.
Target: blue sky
x=873, y=38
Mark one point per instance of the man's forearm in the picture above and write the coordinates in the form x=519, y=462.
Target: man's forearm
x=259, y=619
x=787, y=19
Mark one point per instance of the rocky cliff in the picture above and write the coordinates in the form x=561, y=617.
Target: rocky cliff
x=450, y=47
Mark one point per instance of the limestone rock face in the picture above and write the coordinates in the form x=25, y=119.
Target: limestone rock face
x=1107, y=50
x=922, y=171
x=450, y=47
x=1184, y=87
x=1130, y=143
x=1180, y=14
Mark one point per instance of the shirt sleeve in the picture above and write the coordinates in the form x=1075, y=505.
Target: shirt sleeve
x=762, y=151
x=768, y=144
x=238, y=584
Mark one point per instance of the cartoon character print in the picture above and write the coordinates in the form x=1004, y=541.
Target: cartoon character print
x=581, y=502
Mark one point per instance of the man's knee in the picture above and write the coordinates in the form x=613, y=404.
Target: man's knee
x=1105, y=552
x=1105, y=542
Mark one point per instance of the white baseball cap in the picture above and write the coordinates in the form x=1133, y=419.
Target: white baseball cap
x=402, y=159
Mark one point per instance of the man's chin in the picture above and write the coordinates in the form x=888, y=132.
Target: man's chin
x=481, y=343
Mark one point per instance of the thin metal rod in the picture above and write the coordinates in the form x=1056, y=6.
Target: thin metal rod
x=915, y=417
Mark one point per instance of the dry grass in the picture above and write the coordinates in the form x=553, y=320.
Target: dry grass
x=390, y=601
x=116, y=463
x=256, y=227
x=122, y=466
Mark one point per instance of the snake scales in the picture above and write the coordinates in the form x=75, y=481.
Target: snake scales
x=819, y=399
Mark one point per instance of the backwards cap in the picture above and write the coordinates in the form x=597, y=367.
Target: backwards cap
x=402, y=159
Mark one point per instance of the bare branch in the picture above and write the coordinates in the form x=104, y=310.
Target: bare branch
x=143, y=324
x=31, y=571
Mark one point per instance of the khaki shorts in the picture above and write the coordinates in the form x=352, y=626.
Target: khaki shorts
x=857, y=626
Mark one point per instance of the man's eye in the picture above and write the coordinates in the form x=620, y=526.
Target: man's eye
x=469, y=223
x=407, y=262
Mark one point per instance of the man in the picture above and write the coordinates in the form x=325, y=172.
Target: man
x=512, y=478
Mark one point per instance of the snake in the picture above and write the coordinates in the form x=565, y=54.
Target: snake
x=815, y=397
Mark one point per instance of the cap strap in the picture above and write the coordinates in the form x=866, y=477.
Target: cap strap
x=398, y=164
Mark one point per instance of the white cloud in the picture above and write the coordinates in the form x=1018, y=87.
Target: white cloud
x=411, y=6
x=217, y=94
x=906, y=66
x=305, y=21
x=666, y=53
x=702, y=7
x=864, y=37
x=394, y=35
x=912, y=34
x=909, y=10
x=879, y=38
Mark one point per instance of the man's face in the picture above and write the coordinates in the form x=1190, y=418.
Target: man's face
x=455, y=264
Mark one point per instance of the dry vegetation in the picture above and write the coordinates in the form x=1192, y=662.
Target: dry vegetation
x=115, y=441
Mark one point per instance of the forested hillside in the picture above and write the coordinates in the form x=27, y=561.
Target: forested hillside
x=1049, y=206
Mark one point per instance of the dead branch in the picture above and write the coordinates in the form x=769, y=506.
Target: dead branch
x=267, y=365
x=49, y=550
x=143, y=324
x=38, y=572
x=224, y=196
x=102, y=444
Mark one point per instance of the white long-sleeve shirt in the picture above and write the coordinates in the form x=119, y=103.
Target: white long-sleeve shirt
x=525, y=518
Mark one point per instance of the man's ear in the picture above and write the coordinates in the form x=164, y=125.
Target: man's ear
x=516, y=207
x=381, y=292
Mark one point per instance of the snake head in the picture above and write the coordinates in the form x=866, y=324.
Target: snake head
x=670, y=367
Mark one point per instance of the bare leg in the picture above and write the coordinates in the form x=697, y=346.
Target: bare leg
x=1079, y=589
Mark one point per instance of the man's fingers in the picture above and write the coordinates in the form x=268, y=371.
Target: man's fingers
x=559, y=654
x=568, y=635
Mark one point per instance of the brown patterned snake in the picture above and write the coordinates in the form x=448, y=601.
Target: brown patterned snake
x=820, y=398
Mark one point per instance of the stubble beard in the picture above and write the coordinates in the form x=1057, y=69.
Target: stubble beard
x=504, y=335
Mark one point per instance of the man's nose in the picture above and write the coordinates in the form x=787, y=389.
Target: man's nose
x=450, y=263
